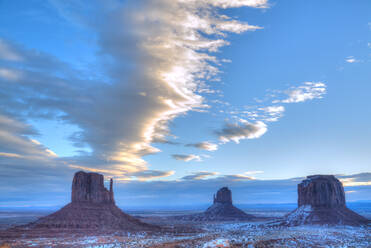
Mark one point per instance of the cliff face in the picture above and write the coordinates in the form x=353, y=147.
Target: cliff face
x=321, y=200
x=89, y=187
x=321, y=191
x=224, y=195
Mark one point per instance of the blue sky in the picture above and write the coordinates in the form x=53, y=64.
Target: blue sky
x=151, y=91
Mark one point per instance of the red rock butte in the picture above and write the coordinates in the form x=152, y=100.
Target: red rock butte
x=321, y=200
x=92, y=207
x=221, y=210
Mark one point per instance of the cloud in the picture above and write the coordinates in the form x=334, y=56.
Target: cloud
x=236, y=132
x=361, y=179
x=199, y=175
x=14, y=142
x=186, y=158
x=151, y=174
x=208, y=146
x=7, y=52
x=10, y=75
x=305, y=92
x=351, y=60
x=127, y=104
x=250, y=122
x=273, y=112
x=237, y=177
x=237, y=3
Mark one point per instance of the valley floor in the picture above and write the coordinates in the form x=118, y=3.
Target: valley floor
x=204, y=235
x=259, y=234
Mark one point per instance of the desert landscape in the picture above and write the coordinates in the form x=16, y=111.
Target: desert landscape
x=185, y=124
x=93, y=220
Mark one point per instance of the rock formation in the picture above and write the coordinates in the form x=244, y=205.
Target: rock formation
x=221, y=210
x=89, y=188
x=321, y=200
x=92, y=207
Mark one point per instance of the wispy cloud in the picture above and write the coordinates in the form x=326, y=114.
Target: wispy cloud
x=151, y=174
x=362, y=179
x=351, y=59
x=208, y=146
x=273, y=112
x=199, y=175
x=251, y=122
x=305, y=92
x=186, y=158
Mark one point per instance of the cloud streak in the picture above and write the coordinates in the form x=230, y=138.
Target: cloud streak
x=186, y=158
x=199, y=175
x=208, y=146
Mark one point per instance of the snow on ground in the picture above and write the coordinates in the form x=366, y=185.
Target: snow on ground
x=214, y=235
x=217, y=243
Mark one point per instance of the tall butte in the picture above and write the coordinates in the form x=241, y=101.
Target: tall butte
x=92, y=207
x=321, y=200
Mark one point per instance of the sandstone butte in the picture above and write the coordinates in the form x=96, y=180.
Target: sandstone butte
x=92, y=207
x=222, y=209
x=321, y=200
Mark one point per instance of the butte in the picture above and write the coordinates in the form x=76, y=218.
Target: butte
x=221, y=210
x=321, y=200
x=92, y=209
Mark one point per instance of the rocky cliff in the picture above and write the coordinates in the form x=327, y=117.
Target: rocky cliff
x=224, y=195
x=321, y=191
x=89, y=188
x=321, y=200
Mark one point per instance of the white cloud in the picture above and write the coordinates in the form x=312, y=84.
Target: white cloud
x=351, y=59
x=208, y=146
x=273, y=112
x=237, y=3
x=305, y=92
x=186, y=158
x=199, y=175
x=250, y=123
x=236, y=132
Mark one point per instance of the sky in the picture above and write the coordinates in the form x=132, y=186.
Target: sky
x=176, y=98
